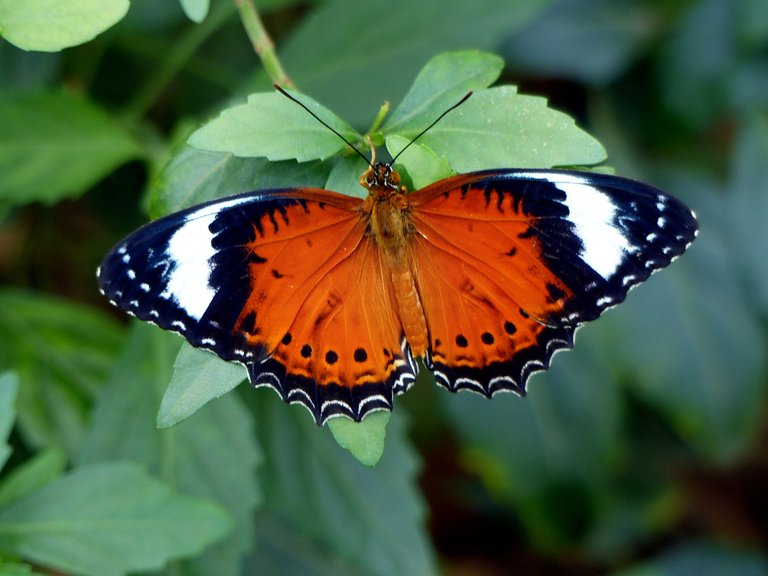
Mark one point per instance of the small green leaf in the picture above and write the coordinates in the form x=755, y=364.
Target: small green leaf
x=365, y=439
x=422, y=164
x=9, y=388
x=196, y=10
x=345, y=176
x=45, y=130
x=499, y=128
x=272, y=126
x=442, y=82
x=198, y=377
x=32, y=475
x=51, y=25
x=109, y=519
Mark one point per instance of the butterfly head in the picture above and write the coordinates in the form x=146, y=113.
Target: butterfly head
x=381, y=179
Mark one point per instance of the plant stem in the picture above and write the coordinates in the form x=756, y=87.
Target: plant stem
x=262, y=43
x=175, y=60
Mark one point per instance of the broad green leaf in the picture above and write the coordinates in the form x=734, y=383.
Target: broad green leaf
x=422, y=164
x=701, y=558
x=273, y=127
x=61, y=352
x=323, y=495
x=443, y=81
x=198, y=377
x=56, y=145
x=499, y=128
x=211, y=455
x=109, y=519
x=51, y=25
x=691, y=344
x=32, y=475
x=281, y=549
x=365, y=439
x=377, y=48
x=196, y=10
x=551, y=453
x=193, y=176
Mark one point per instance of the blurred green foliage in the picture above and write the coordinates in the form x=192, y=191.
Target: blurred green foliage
x=640, y=452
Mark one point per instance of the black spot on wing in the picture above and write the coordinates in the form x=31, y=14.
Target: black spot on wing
x=508, y=375
x=333, y=399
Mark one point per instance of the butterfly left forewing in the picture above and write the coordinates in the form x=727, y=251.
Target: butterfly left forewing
x=523, y=257
x=285, y=282
x=230, y=274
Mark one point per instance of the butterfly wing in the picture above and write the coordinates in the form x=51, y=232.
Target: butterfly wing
x=521, y=258
x=275, y=280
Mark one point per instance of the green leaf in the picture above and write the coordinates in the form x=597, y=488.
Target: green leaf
x=51, y=25
x=422, y=164
x=345, y=176
x=211, y=455
x=680, y=350
x=196, y=10
x=443, y=81
x=321, y=494
x=61, y=352
x=499, y=128
x=272, y=126
x=702, y=558
x=365, y=439
x=9, y=388
x=343, y=70
x=198, y=377
x=45, y=130
x=22, y=481
x=109, y=519
x=193, y=176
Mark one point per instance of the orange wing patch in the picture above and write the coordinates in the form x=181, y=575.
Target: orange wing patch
x=476, y=256
x=343, y=354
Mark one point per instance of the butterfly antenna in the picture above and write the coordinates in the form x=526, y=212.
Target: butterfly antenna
x=428, y=128
x=324, y=123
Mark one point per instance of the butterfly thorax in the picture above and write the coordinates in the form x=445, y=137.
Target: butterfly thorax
x=389, y=225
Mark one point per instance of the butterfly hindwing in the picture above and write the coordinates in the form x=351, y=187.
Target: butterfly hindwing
x=523, y=257
x=271, y=280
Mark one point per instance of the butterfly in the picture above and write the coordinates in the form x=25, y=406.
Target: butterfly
x=331, y=299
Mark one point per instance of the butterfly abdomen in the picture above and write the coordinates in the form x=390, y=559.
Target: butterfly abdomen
x=410, y=310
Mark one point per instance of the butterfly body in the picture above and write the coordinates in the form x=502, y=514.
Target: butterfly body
x=391, y=229
x=329, y=299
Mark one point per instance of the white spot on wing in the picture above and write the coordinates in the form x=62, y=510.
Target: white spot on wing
x=593, y=214
x=190, y=251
